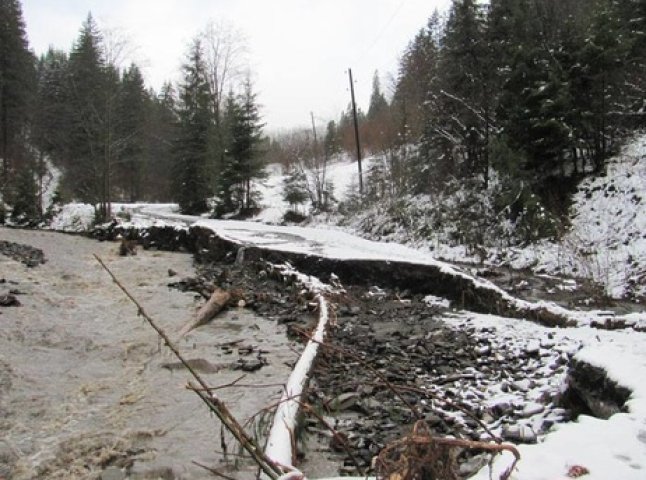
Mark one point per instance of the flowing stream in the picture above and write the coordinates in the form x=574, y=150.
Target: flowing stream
x=86, y=389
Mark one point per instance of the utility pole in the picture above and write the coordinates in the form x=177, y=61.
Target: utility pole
x=356, y=131
x=313, y=126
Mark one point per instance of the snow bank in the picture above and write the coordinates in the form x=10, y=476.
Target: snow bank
x=613, y=448
x=73, y=217
x=606, y=241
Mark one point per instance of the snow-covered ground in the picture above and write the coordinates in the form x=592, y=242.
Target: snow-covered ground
x=607, y=239
x=605, y=242
x=613, y=448
x=342, y=174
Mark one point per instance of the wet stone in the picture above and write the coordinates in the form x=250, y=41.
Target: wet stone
x=9, y=300
x=27, y=255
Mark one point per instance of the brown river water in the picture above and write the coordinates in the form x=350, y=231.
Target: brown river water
x=85, y=386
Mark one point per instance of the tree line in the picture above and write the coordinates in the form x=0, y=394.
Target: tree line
x=114, y=139
x=533, y=92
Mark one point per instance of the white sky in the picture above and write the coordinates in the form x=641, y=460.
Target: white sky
x=299, y=49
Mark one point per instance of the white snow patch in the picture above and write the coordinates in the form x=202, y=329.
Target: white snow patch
x=613, y=448
x=73, y=217
x=433, y=301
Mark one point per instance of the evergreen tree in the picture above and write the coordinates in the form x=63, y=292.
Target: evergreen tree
x=160, y=132
x=25, y=209
x=52, y=121
x=378, y=104
x=132, y=115
x=413, y=100
x=17, y=87
x=465, y=96
x=86, y=176
x=295, y=188
x=331, y=142
x=243, y=162
x=599, y=84
x=191, y=149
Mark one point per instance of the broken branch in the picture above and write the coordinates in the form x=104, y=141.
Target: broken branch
x=214, y=403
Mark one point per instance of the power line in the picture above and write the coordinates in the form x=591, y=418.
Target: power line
x=381, y=32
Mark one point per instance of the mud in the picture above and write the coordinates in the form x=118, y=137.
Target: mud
x=83, y=388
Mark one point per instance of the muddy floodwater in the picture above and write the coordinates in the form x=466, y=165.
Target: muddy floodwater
x=86, y=389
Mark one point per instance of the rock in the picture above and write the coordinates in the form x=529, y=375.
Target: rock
x=345, y=401
x=472, y=465
x=519, y=434
x=9, y=300
x=503, y=407
x=250, y=365
x=522, y=385
x=370, y=405
x=532, y=409
x=339, y=442
x=483, y=350
x=171, y=272
x=602, y=396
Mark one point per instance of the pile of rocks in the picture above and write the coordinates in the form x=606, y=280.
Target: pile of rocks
x=465, y=382
x=30, y=256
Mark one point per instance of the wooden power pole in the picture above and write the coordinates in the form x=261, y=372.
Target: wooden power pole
x=356, y=131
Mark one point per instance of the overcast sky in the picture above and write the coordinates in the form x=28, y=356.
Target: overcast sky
x=299, y=50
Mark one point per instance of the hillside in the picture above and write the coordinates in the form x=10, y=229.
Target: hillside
x=604, y=241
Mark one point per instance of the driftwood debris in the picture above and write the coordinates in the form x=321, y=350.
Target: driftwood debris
x=127, y=247
x=218, y=301
x=421, y=455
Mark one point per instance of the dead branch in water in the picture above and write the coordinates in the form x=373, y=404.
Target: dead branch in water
x=212, y=402
x=218, y=301
x=213, y=471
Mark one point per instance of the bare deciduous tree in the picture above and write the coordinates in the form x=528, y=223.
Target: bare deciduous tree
x=225, y=52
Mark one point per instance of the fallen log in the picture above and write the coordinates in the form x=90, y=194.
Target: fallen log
x=218, y=302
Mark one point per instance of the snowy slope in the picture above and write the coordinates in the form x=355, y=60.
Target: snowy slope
x=607, y=238
x=342, y=174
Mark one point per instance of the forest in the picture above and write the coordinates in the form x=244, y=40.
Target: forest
x=524, y=95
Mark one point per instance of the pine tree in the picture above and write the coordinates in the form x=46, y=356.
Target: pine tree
x=243, y=162
x=85, y=175
x=160, y=133
x=25, y=209
x=52, y=121
x=295, y=188
x=331, y=142
x=413, y=100
x=378, y=103
x=465, y=97
x=17, y=87
x=132, y=113
x=191, y=149
x=601, y=69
